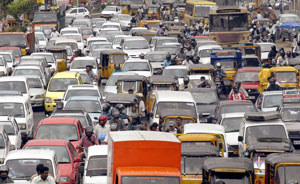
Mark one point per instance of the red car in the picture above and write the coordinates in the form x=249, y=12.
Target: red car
x=60, y=128
x=67, y=156
x=248, y=77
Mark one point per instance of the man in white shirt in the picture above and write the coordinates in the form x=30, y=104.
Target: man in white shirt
x=44, y=177
x=102, y=128
x=259, y=16
x=54, y=33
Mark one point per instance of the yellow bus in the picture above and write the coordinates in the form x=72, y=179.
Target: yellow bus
x=198, y=10
x=229, y=26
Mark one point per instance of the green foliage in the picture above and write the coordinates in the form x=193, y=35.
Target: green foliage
x=3, y=6
x=18, y=7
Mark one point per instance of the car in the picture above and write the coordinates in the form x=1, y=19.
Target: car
x=95, y=167
x=11, y=127
x=117, y=40
x=3, y=66
x=161, y=40
x=91, y=40
x=231, y=123
x=100, y=46
x=86, y=32
x=21, y=109
x=85, y=22
x=67, y=42
x=79, y=90
x=37, y=91
x=65, y=128
x=134, y=46
x=70, y=30
x=95, y=20
x=29, y=70
x=35, y=64
x=110, y=84
x=83, y=116
x=204, y=52
x=42, y=40
x=10, y=60
x=79, y=12
x=124, y=20
x=57, y=86
x=69, y=20
x=50, y=60
x=16, y=51
x=156, y=59
x=179, y=71
x=138, y=66
x=248, y=77
x=171, y=48
x=91, y=104
x=79, y=64
x=265, y=48
x=5, y=145
x=67, y=157
x=112, y=25
x=77, y=37
x=268, y=101
x=15, y=83
x=22, y=164
x=110, y=11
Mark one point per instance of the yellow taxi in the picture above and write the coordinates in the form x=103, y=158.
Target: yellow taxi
x=57, y=87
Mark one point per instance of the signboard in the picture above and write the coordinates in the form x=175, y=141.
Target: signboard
x=290, y=96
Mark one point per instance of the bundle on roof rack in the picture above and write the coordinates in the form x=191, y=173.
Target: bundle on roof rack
x=262, y=116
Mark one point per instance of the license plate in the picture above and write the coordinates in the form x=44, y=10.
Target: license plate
x=296, y=142
x=236, y=152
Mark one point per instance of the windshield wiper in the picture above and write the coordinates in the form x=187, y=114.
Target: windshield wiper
x=18, y=114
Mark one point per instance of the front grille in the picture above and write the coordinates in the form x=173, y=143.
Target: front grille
x=251, y=90
x=55, y=101
x=294, y=135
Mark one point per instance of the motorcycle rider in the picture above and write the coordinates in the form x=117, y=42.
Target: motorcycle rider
x=4, y=178
x=220, y=75
x=88, y=139
x=273, y=86
x=102, y=128
x=117, y=120
x=123, y=115
x=136, y=121
x=167, y=62
x=186, y=84
x=106, y=110
x=236, y=95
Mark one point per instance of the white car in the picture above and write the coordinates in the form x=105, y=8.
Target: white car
x=96, y=173
x=70, y=30
x=204, y=52
x=134, y=46
x=21, y=109
x=10, y=60
x=67, y=42
x=22, y=160
x=30, y=70
x=36, y=90
x=79, y=12
x=112, y=25
x=110, y=85
x=231, y=123
x=80, y=90
x=42, y=40
x=50, y=60
x=110, y=11
x=124, y=20
x=268, y=101
x=77, y=37
x=91, y=40
x=179, y=71
x=3, y=66
x=15, y=83
x=11, y=127
x=5, y=145
x=138, y=66
x=117, y=40
x=79, y=64
x=100, y=46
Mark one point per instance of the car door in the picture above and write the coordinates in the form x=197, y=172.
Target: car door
x=29, y=114
x=81, y=13
x=18, y=134
x=74, y=12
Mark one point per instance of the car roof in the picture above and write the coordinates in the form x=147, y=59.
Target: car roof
x=271, y=93
x=13, y=78
x=65, y=41
x=233, y=115
x=65, y=74
x=203, y=128
x=41, y=53
x=174, y=96
x=28, y=67
x=85, y=58
x=30, y=154
x=134, y=38
x=58, y=120
x=176, y=67
x=83, y=86
x=235, y=102
x=88, y=98
x=137, y=60
x=97, y=150
x=47, y=142
x=249, y=69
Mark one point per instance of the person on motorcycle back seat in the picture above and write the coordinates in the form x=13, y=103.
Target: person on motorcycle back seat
x=186, y=84
x=101, y=130
x=106, y=110
x=236, y=95
x=88, y=139
x=135, y=122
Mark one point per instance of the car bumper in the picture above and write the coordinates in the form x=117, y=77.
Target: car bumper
x=37, y=102
x=49, y=107
x=233, y=151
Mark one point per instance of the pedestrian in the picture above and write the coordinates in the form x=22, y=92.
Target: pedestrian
x=4, y=178
x=88, y=139
x=44, y=177
x=102, y=128
x=236, y=95
x=142, y=107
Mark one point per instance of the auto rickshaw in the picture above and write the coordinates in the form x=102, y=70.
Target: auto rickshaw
x=282, y=167
x=60, y=55
x=205, y=70
x=153, y=9
x=251, y=49
x=251, y=61
x=108, y=58
x=192, y=159
x=286, y=76
x=150, y=24
x=258, y=149
x=125, y=9
x=229, y=170
x=168, y=115
x=130, y=101
x=157, y=83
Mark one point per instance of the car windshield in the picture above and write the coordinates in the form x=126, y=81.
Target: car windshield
x=289, y=19
x=265, y=47
x=117, y=40
x=39, y=37
x=86, y=31
x=24, y=72
x=156, y=57
x=49, y=58
x=271, y=101
x=74, y=46
x=136, y=44
x=13, y=86
x=163, y=41
x=207, y=98
x=87, y=105
x=187, y=145
x=109, y=8
x=228, y=22
x=232, y=124
x=179, y=73
x=81, y=64
x=247, y=77
x=237, y=108
x=60, y=151
x=149, y=180
x=288, y=174
x=101, y=46
x=68, y=32
x=286, y=77
x=34, y=83
x=136, y=66
x=124, y=17
x=232, y=178
x=97, y=166
x=99, y=24
x=78, y=38
x=61, y=84
x=7, y=57
x=228, y=65
x=16, y=52
x=205, y=53
x=187, y=106
x=13, y=40
x=57, y=131
x=1, y=62
x=192, y=164
x=265, y=131
x=2, y=144
x=170, y=49
x=23, y=169
x=72, y=93
x=8, y=127
x=290, y=114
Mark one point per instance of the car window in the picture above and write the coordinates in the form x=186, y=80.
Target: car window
x=72, y=151
x=79, y=127
x=81, y=10
x=74, y=11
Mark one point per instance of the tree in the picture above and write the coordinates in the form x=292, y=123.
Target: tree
x=19, y=7
x=3, y=7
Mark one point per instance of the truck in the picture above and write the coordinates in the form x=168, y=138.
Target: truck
x=143, y=157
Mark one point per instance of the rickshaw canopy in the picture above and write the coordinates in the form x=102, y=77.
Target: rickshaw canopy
x=277, y=158
x=203, y=150
x=129, y=99
x=212, y=164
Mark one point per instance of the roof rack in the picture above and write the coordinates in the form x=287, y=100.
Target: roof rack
x=261, y=116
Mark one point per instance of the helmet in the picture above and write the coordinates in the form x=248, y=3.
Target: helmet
x=106, y=107
x=4, y=168
x=168, y=57
x=186, y=80
x=89, y=129
x=116, y=114
x=103, y=118
x=218, y=65
x=273, y=47
x=120, y=107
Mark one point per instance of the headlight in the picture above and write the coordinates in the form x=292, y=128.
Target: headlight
x=64, y=179
x=48, y=100
x=40, y=96
x=22, y=126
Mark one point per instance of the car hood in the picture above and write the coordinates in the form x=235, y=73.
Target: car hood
x=65, y=169
x=95, y=179
x=136, y=52
x=55, y=95
x=36, y=91
x=250, y=85
x=232, y=138
x=142, y=73
x=207, y=108
x=205, y=60
x=110, y=89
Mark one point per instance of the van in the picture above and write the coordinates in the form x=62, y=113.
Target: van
x=15, y=83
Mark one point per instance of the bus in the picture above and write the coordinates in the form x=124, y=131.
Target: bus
x=229, y=26
x=198, y=10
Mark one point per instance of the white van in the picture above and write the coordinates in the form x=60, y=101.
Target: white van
x=15, y=83
x=173, y=100
x=95, y=168
x=210, y=129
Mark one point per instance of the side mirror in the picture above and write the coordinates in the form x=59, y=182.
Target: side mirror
x=48, y=66
x=240, y=138
x=77, y=159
